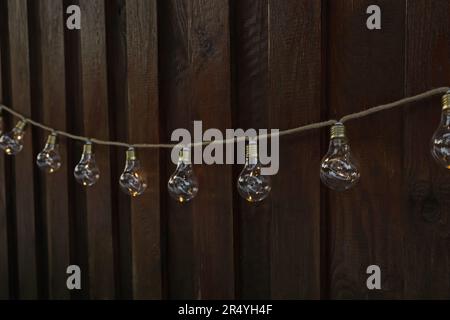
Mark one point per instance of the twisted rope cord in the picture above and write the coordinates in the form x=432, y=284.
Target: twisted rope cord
x=292, y=131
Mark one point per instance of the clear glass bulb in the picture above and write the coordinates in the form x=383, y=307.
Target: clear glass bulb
x=251, y=184
x=183, y=184
x=49, y=159
x=12, y=142
x=440, y=143
x=339, y=171
x=86, y=171
x=132, y=181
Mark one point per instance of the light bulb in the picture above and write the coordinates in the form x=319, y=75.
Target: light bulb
x=440, y=143
x=49, y=160
x=86, y=171
x=12, y=142
x=132, y=181
x=251, y=184
x=183, y=184
x=339, y=170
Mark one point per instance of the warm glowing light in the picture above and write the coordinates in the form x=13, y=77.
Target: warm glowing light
x=12, y=142
x=49, y=159
x=86, y=172
x=339, y=171
x=183, y=183
x=132, y=181
x=251, y=184
x=440, y=143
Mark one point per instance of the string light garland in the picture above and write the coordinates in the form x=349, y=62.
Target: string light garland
x=338, y=170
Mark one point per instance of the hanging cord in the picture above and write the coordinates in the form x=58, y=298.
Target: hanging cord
x=292, y=131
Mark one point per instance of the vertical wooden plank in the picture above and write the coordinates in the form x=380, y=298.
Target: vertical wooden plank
x=4, y=266
x=196, y=86
x=118, y=101
x=295, y=98
x=95, y=120
x=366, y=222
x=143, y=124
x=52, y=70
x=24, y=161
x=427, y=185
x=250, y=44
x=209, y=35
x=77, y=196
x=175, y=96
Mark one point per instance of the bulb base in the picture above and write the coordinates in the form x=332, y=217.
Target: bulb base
x=131, y=154
x=446, y=101
x=252, y=151
x=337, y=131
x=185, y=155
x=51, y=140
x=87, y=149
x=21, y=125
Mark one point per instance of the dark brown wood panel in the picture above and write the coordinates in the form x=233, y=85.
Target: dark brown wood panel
x=143, y=123
x=118, y=105
x=24, y=161
x=427, y=186
x=251, y=110
x=195, y=70
x=175, y=96
x=365, y=222
x=77, y=199
x=209, y=43
x=295, y=99
x=4, y=264
x=53, y=104
x=139, y=69
x=96, y=124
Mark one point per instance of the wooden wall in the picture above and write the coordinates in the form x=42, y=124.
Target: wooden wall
x=139, y=69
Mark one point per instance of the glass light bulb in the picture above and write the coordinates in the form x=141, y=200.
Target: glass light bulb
x=183, y=184
x=12, y=142
x=251, y=184
x=339, y=171
x=132, y=181
x=86, y=171
x=49, y=159
x=440, y=143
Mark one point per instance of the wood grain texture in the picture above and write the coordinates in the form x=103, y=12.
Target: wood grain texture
x=143, y=124
x=96, y=124
x=251, y=110
x=195, y=57
x=116, y=26
x=175, y=96
x=24, y=161
x=366, y=221
x=4, y=261
x=213, y=215
x=427, y=186
x=295, y=98
x=77, y=196
x=139, y=69
x=53, y=104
